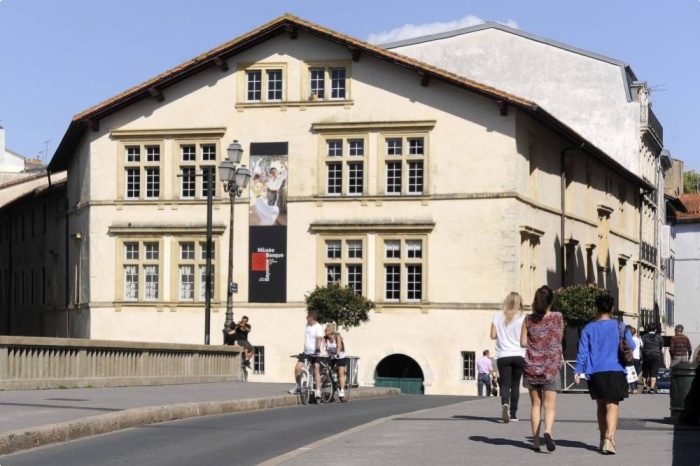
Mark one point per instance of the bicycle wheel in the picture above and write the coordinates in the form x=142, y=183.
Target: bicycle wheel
x=327, y=389
x=305, y=387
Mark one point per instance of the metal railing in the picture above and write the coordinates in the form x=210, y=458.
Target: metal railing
x=30, y=362
x=648, y=252
x=649, y=120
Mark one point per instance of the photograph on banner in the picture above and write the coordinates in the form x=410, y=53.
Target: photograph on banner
x=268, y=190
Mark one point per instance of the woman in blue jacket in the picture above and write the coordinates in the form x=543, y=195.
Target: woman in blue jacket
x=598, y=358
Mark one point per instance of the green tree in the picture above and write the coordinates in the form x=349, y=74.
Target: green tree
x=577, y=304
x=691, y=182
x=339, y=305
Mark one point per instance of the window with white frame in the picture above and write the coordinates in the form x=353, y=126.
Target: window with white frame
x=192, y=271
x=403, y=262
x=344, y=159
x=404, y=159
x=259, y=360
x=468, y=365
x=141, y=269
x=264, y=83
x=328, y=82
x=344, y=263
x=142, y=171
x=195, y=159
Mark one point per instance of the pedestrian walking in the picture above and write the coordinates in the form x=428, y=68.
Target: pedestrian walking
x=599, y=359
x=541, y=335
x=636, y=357
x=484, y=369
x=506, y=329
x=651, y=358
x=680, y=350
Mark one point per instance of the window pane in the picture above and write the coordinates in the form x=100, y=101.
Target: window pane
x=355, y=278
x=392, y=282
x=468, y=365
x=392, y=249
x=254, y=86
x=152, y=183
x=274, y=85
x=151, y=291
x=333, y=249
x=204, y=180
x=393, y=178
x=335, y=148
x=337, y=83
x=151, y=251
x=133, y=183
x=335, y=178
x=414, y=282
x=131, y=251
x=131, y=282
x=203, y=282
x=414, y=248
x=188, y=153
x=393, y=146
x=415, y=146
x=133, y=154
x=203, y=251
x=187, y=282
x=188, y=181
x=187, y=251
x=208, y=152
x=356, y=147
x=355, y=178
x=354, y=249
x=333, y=274
x=317, y=80
x=152, y=153
x=415, y=177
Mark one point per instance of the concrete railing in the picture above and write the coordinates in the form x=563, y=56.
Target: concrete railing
x=30, y=362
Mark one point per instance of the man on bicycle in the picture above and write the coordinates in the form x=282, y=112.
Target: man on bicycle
x=313, y=341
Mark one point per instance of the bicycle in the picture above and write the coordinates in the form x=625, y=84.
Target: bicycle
x=330, y=386
x=306, y=380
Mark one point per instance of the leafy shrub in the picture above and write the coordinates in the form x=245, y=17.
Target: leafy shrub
x=339, y=305
x=577, y=304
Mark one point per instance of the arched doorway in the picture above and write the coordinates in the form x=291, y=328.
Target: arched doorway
x=400, y=371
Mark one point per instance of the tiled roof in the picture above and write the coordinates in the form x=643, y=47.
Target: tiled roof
x=692, y=203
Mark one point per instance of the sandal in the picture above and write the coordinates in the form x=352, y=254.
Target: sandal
x=608, y=446
x=549, y=441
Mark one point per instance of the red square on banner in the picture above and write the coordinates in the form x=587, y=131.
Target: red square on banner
x=258, y=262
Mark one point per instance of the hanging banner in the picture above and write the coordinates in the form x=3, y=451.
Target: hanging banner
x=267, y=277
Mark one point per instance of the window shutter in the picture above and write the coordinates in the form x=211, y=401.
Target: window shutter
x=665, y=242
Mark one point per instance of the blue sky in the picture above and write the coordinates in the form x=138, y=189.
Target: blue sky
x=59, y=57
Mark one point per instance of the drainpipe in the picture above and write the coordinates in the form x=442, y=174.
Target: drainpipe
x=10, y=273
x=67, y=297
x=641, y=245
x=563, y=209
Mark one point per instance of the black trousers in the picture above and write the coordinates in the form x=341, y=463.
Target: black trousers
x=510, y=370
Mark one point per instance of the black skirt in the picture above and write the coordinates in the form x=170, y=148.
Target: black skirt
x=608, y=385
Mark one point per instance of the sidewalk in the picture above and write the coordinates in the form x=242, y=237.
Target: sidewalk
x=473, y=433
x=32, y=418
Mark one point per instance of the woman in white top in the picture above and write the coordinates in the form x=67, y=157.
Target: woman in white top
x=636, y=357
x=336, y=352
x=510, y=356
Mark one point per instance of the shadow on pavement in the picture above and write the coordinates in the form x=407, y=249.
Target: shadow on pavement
x=528, y=445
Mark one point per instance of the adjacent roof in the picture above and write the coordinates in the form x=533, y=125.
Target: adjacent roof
x=289, y=24
x=692, y=204
x=628, y=75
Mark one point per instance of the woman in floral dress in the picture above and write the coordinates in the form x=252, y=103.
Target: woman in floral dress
x=541, y=335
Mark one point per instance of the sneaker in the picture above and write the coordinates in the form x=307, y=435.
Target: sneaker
x=513, y=418
x=294, y=391
x=644, y=390
x=341, y=394
x=246, y=363
x=317, y=394
x=505, y=413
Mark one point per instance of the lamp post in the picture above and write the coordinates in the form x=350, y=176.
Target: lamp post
x=234, y=180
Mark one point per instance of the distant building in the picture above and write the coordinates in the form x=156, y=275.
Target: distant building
x=14, y=166
x=687, y=267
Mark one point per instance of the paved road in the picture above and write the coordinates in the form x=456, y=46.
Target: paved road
x=241, y=439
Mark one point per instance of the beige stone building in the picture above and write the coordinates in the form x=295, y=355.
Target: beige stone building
x=431, y=194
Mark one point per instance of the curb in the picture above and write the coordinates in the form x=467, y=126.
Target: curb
x=25, y=439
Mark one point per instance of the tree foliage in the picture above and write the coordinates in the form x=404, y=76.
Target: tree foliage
x=339, y=305
x=577, y=304
x=691, y=182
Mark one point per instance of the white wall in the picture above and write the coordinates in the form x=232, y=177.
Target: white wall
x=687, y=283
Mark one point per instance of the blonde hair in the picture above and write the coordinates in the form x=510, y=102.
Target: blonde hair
x=512, y=307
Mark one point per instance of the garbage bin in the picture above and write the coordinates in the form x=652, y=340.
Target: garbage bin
x=685, y=392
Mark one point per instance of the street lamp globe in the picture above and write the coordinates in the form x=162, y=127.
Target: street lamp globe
x=226, y=171
x=235, y=152
x=242, y=177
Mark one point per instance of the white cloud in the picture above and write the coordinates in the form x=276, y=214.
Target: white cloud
x=408, y=31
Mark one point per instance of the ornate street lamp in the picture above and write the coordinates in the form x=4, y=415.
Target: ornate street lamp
x=234, y=180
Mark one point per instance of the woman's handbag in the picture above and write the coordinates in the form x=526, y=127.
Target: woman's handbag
x=625, y=353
